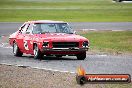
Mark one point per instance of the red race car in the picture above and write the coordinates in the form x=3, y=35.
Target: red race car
x=50, y=38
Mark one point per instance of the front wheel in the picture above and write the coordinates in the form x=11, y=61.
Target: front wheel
x=37, y=53
x=16, y=50
x=81, y=56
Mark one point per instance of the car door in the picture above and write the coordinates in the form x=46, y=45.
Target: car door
x=21, y=36
x=28, y=40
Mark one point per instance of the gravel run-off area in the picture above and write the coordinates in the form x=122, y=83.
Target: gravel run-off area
x=26, y=77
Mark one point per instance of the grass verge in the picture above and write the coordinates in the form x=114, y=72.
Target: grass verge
x=110, y=41
x=67, y=10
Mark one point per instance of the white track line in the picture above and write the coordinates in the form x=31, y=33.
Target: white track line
x=47, y=69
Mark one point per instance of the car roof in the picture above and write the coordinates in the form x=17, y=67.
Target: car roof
x=45, y=21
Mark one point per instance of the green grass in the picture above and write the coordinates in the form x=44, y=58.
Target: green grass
x=109, y=41
x=67, y=10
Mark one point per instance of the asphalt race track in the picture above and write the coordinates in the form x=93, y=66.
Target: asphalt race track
x=102, y=64
x=92, y=64
x=10, y=27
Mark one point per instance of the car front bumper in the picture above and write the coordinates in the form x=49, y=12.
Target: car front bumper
x=64, y=51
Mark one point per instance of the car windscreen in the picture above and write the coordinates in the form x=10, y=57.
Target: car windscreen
x=40, y=28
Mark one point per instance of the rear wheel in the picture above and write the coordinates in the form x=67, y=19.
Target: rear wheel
x=81, y=56
x=37, y=53
x=16, y=50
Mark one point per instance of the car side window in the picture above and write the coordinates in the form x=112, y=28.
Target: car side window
x=29, y=30
x=37, y=28
x=24, y=28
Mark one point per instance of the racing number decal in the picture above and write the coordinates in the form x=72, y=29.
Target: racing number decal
x=26, y=45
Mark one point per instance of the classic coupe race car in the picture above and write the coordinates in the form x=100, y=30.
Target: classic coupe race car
x=49, y=38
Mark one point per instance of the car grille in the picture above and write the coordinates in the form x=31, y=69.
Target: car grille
x=65, y=44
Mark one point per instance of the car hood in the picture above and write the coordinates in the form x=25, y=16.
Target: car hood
x=62, y=37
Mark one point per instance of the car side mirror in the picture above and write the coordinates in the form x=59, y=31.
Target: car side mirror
x=74, y=32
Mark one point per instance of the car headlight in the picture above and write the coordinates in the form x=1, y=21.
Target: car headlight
x=85, y=44
x=46, y=44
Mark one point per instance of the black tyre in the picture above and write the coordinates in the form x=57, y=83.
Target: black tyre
x=81, y=56
x=16, y=50
x=37, y=53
